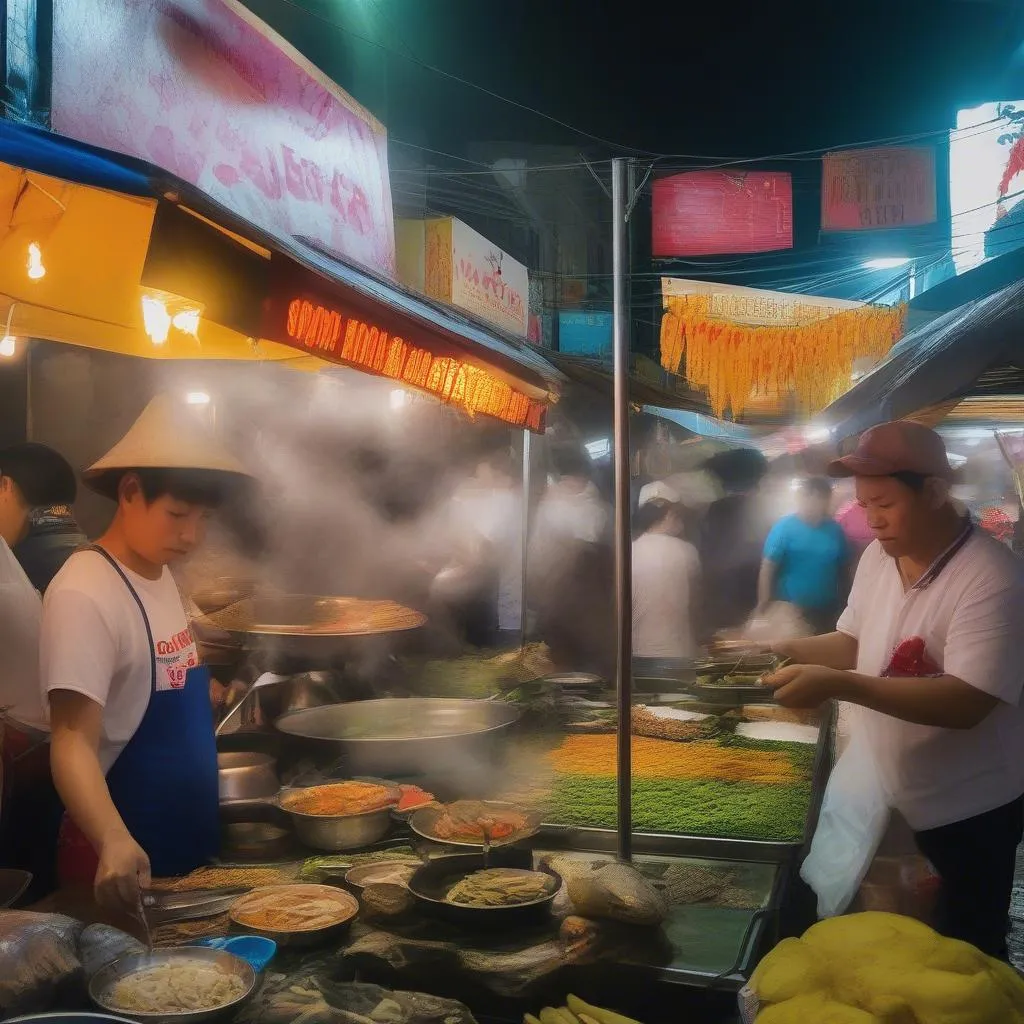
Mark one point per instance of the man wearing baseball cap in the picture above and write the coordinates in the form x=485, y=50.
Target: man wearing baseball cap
x=927, y=652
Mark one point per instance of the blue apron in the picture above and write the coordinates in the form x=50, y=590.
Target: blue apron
x=164, y=782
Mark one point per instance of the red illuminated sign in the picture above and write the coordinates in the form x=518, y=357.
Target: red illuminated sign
x=704, y=213
x=339, y=337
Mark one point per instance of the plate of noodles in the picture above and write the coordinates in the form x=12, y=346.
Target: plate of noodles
x=465, y=889
x=185, y=986
x=295, y=914
x=475, y=823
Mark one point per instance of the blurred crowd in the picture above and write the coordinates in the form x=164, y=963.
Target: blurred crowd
x=725, y=548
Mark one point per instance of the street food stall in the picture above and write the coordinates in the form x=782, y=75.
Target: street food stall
x=408, y=831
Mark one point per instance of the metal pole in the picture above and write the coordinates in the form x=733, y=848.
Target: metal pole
x=524, y=620
x=623, y=541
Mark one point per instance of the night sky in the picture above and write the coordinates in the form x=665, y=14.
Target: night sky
x=678, y=81
x=715, y=78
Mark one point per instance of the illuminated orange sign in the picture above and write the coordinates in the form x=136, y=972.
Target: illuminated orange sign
x=337, y=338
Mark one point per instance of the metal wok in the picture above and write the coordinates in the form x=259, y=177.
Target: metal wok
x=450, y=747
x=311, y=629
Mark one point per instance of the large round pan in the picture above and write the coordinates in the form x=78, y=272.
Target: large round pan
x=301, y=626
x=430, y=884
x=445, y=745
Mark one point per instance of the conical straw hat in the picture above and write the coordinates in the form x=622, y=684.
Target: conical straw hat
x=165, y=436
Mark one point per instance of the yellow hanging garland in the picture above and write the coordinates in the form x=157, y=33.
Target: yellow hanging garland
x=814, y=361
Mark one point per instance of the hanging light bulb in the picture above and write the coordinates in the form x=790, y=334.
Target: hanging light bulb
x=156, y=319
x=36, y=270
x=7, y=346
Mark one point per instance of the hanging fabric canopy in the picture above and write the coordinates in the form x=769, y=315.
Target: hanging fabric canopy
x=735, y=362
x=935, y=366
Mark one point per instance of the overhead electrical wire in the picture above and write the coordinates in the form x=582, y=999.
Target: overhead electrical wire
x=655, y=157
x=448, y=185
x=526, y=108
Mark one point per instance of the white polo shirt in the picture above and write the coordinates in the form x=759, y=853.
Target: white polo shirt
x=971, y=619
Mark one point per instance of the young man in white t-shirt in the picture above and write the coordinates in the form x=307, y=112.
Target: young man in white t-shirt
x=928, y=654
x=133, y=752
x=32, y=476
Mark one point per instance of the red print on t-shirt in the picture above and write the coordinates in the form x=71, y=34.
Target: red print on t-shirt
x=911, y=659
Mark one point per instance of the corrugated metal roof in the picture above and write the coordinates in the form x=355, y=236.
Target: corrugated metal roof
x=937, y=362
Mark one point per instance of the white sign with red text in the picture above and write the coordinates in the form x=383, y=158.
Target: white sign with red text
x=208, y=92
x=488, y=282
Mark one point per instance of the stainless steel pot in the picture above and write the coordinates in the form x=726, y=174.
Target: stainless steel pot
x=336, y=833
x=266, y=703
x=297, y=693
x=246, y=776
x=447, y=745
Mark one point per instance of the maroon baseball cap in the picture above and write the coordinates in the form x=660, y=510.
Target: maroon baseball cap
x=898, y=447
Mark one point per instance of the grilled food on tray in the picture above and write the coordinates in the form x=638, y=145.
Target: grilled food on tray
x=339, y=799
x=474, y=821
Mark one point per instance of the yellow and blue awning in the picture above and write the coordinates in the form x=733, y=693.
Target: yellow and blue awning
x=106, y=252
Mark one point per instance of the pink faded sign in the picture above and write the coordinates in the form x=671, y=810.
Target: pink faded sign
x=701, y=213
x=888, y=187
x=205, y=90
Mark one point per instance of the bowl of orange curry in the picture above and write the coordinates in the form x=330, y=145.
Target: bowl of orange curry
x=340, y=815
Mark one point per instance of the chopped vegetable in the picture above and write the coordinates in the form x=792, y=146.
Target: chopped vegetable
x=664, y=759
x=708, y=807
x=318, y=867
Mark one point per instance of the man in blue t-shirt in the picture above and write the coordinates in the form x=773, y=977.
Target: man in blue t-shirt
x=806, y=559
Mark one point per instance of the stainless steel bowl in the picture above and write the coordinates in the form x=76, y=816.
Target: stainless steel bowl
x=336, y=832
x=106, y=977
x=246, y=776
x=445, y=745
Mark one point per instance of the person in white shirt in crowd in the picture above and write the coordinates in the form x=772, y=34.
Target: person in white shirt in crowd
x=927, y=653
x=32, y=476
x=482, y=584
x=666, y=578
x=571, y=566
x=133, y=751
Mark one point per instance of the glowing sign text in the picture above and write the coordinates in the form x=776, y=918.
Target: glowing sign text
x=327, y=333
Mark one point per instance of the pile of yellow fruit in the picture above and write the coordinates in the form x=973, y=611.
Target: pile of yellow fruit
x=577, y=1012
x=884, y=969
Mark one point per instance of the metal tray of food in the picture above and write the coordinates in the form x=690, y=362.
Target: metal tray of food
x=734, y=680
x=441, y=823
x=167, y=907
